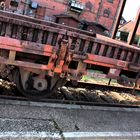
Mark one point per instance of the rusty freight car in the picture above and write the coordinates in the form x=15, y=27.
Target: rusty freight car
x=40, y=56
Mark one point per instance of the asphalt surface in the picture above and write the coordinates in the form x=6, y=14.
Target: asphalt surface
x=32, y=120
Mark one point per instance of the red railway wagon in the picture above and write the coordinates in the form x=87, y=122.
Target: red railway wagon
x=40, y=56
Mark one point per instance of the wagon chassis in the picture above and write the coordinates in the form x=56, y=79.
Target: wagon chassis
x=40, y=56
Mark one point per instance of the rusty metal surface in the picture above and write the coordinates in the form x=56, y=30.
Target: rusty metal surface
x=67, y=51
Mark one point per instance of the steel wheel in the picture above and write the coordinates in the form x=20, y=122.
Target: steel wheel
x=30, y=85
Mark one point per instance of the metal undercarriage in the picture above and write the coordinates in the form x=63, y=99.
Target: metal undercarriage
x=40, y=56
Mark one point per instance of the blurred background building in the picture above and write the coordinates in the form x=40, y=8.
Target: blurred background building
x=92, y=15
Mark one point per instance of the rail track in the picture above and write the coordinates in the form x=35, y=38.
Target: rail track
x=82, y=94
x=90, y=85
x=56, y=101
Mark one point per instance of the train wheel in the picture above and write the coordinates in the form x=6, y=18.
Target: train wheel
x=30, y=85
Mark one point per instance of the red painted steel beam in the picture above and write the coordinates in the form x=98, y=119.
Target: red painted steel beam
x=26, y=64
x=25, y=46
x=118, y=18
x=135, y=27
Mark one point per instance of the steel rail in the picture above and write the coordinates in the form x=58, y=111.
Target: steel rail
x=70, y=102
x=94, y=85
